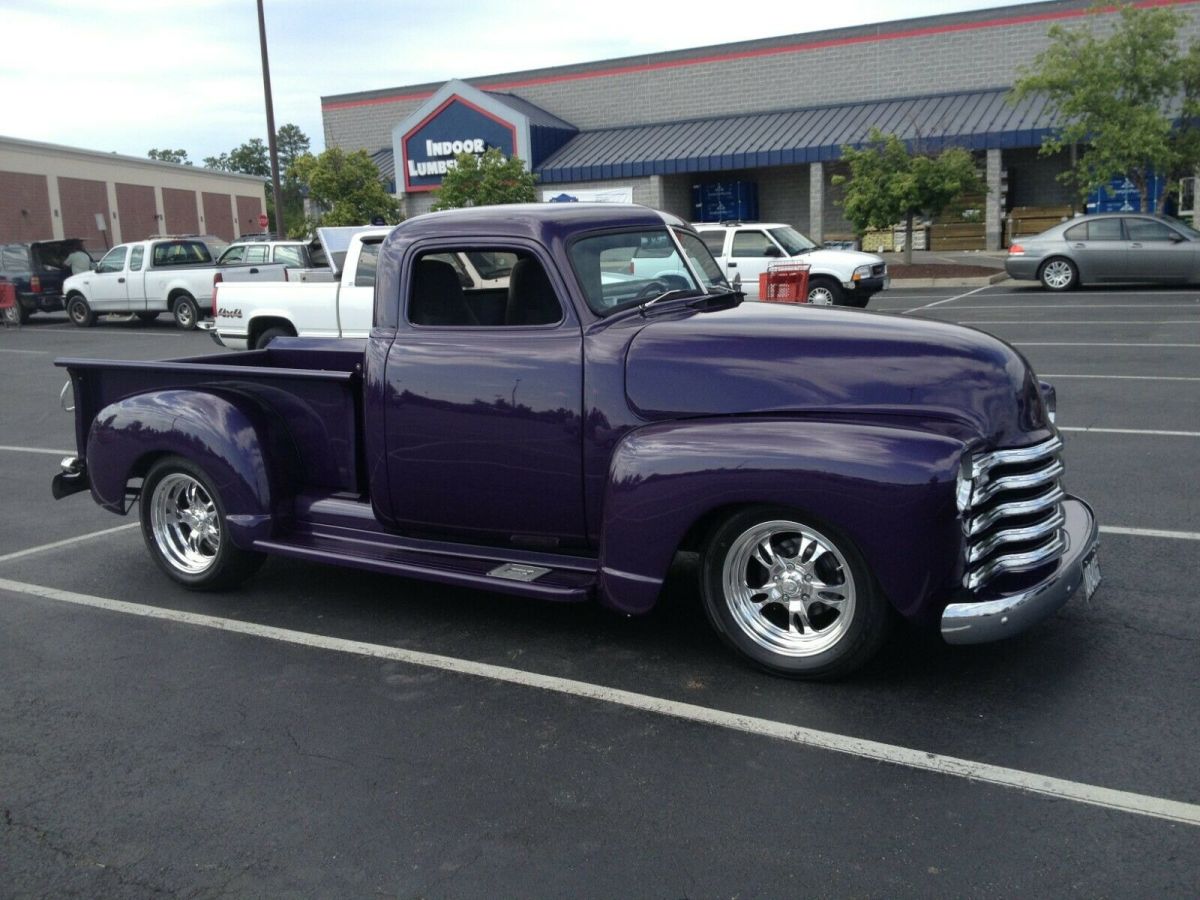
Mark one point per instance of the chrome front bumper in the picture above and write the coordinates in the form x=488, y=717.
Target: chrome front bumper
x=1000, y=617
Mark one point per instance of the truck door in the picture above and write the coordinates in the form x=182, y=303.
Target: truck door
x=108, y=287
x=135, y=281
x=483, y=404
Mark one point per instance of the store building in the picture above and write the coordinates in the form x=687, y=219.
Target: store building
x=49, y=191
x=752, y=129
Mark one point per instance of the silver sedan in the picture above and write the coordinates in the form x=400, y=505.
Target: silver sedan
x=1111, y=247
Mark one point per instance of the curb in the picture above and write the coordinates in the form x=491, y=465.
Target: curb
x=977, y=281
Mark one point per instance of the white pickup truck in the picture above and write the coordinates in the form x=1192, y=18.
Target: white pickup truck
x=145, y=278
x=248, y=315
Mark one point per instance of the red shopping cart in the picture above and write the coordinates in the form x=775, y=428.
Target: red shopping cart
x=784, y=282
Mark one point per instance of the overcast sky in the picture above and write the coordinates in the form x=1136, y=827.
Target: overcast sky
x=126, y=75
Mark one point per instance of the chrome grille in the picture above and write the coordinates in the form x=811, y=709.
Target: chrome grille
x=1010, y=502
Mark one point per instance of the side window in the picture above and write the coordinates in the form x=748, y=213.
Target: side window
x=750, y=243
x=14, y=258
x=1148, y=230
x=1105, y=230
x=1076, y=233
x=368, y=262
x=234, y=254
x=288, y=255
x=135, y=258
x=257, y=253
x=518, y=293
x=113, y=261
x=714, y=241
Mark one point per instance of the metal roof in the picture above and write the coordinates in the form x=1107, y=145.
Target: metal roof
x=385, y=161
x=976, y=120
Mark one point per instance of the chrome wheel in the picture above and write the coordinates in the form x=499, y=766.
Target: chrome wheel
x=820, y=295
x=1058, y=274
x=186, y=313
x=788, y=588
x=185, y=523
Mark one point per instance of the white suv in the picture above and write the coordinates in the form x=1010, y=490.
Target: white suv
x=745, y=249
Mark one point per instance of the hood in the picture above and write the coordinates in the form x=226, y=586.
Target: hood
x=838, y=259
x=763, y=358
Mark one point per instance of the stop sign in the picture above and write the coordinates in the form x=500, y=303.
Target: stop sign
x=262, y=220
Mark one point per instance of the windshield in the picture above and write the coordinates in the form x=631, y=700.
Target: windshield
x=627, y=268
x=1184, y=227
x=791, y=240
x=702, y=260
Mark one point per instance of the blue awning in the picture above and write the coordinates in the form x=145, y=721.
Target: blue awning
x=976, y=120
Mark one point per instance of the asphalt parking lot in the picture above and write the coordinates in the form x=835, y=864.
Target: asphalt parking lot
x=324, y=732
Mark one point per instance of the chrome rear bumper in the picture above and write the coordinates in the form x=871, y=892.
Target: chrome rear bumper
x=990, y=619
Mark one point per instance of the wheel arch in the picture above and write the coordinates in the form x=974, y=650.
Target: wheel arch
x=259, y=324
x=888, y=490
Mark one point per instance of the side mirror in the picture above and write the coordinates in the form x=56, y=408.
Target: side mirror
x=772, y=250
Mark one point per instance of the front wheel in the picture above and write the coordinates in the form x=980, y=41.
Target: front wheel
x=793, y=598
x=825, y=292
x=1059, y=274
x=185, y=527
x=80, y=313
x=187, y=314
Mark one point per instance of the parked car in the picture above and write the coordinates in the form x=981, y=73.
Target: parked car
x=744, y=250
x=295, y=254
x=37, y=270
x=146, y=278
x=1107, y=248
x=559, y=439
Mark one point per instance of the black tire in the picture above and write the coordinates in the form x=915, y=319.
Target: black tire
x=270, y=334
x=79, y=312
x=824, y=291
x=1059, y=274
x=185, y=528
x=186, y=312
x=147, y=316
x=795, y=626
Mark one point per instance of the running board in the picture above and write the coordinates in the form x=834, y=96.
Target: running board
x=525, y=574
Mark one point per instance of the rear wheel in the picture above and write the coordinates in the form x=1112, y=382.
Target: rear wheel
x=793, y=598
x=825, y=292
x=1059, y=274
x=79, y=312
x=270, y=334
x=186, y=530
x=186, y=313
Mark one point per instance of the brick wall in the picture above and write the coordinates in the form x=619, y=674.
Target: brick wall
x=136, y=211
x=81, y=199
x=218, y=215
x=179, y=208
x=24, y=207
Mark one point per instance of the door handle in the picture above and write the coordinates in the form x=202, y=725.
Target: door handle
x=1135, y=244
x=732, y=265
x=1080, y=246
x=253, y=271
x=120, y=281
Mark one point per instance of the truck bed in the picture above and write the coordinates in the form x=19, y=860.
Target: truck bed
x=311, y=390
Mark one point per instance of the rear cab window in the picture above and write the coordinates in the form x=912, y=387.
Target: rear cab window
x=512, y=289
x=180, y=253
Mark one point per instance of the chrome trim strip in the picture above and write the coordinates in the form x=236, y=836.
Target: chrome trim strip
x=1016, y=562
x=1025, y=480
x=1015, y=508
x=1015, y=536
x=983, y=463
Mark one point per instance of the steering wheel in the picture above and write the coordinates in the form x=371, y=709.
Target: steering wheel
x=653, y=289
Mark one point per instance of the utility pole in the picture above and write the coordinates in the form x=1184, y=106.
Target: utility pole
x=271, y=144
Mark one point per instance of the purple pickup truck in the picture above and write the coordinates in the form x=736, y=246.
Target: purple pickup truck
x=565, y=431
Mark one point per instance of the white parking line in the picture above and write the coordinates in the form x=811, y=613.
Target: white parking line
x=27, y=352
x=1151, y=532
x=80, y=332
x=941, y=302
x=1130, y=377
x=1041, y=324
x=1090, y=429
x=1059, y=306
x=42, y=548
x=35, y=450
x=1059, y=788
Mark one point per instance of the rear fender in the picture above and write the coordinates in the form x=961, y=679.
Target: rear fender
x=225, y=434
x=890, y=490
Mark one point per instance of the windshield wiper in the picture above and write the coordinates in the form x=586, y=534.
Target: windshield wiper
x=698, y=299
x=667, y=295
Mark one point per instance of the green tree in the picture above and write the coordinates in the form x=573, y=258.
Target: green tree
x=485, y=181
x=292, y=143
x=171, y=156
x=249, y=159
x=888, y=183
x=1128, y=96
x=346, y=187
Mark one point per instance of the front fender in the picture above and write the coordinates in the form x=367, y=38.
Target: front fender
x=227, y=436
x=890, y=490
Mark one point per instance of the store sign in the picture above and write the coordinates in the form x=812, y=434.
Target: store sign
x=456, y=126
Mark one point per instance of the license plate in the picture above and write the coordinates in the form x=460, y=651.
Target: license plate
x=1091, y=574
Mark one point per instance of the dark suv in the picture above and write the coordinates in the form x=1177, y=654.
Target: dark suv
x=37, y=269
